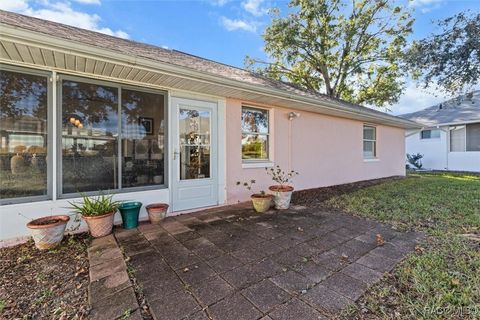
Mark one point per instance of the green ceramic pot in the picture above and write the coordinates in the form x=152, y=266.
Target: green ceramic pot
x=129, y=212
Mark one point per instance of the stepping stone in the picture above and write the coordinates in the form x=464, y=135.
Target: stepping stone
x=324, y=298
x=294, y=310
x=265, y=295
x=178, y=305
x=234, y=307
x=360, y=272
x=107, y=309
x=345, y=285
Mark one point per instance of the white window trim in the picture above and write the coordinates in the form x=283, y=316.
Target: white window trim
x=257, y=164
x=375, y=155
x=434, y=138
x=261, y=163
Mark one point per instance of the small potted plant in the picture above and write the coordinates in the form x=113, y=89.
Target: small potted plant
x=261, y=201
x=98, y=212
x=157, y=212
x=130, y=212
x=282, y=191
x=47, y=232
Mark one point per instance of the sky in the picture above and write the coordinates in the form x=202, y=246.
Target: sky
x=221, y=30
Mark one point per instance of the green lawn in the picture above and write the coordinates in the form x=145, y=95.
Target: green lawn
x=441, y=280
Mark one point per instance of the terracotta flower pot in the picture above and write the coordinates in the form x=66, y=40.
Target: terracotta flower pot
x=157, y=212
x=100, y=226
x=47, y=232
x=281, y=196
x=261, y=202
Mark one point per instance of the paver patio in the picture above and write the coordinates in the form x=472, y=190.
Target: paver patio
x=236, y=264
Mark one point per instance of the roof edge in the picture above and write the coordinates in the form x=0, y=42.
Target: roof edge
x=25, y=36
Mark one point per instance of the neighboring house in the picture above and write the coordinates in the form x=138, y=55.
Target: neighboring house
x=158, y=125
x=450, y=138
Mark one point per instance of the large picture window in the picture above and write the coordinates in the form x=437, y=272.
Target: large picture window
x=143, y=138
x=369, y=142
x=113, y=137
x=23, y=135
x=89, y=137
x=255, y=134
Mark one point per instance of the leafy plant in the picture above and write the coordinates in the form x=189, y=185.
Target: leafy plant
x=95, y=206
x=280, y=176
x=450, y=58
x=248, y=185
x=415, y=160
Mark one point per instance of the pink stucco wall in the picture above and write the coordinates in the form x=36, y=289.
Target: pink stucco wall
x=324, y=150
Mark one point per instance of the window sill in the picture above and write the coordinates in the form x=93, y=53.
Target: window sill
x=252, y=165
x=371, y=160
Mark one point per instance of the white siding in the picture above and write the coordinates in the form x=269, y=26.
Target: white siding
x=436, y=153
x=434, y=150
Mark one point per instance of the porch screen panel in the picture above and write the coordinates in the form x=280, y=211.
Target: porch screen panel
x=23, y=135
x=473, y=137
x=457, y=139
x=143, y=138
x=89, y=137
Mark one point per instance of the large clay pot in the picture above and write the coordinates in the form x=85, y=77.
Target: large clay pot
x=157, y=212
x=47, y=232
x=100, y=226
x=281, y=196
x=261, y=202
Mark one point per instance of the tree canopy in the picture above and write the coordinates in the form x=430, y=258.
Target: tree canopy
x=351, y=51
x=450, y=59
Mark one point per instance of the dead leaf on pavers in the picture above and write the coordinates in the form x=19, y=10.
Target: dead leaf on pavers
x=380, y=240
x=419, y=249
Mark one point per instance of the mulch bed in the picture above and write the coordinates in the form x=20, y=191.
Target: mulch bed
x=317, y=196
x=49, y=284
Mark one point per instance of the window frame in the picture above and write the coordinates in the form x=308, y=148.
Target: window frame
x=50, y=134
x=430, y=138
x=254, y=163
x=467, y=140
x=119, y=87
x=375, y=152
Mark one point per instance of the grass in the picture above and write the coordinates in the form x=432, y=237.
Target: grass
x=442, y=279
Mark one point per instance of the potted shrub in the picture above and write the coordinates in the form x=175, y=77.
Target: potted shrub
x=282, y=191
x=261, y=201
x=157, y=212
x=47, y=232
x=129, y=212
x=98, y=212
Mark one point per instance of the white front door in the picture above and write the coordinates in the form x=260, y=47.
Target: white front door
x=194, y=154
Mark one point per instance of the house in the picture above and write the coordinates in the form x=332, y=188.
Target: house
x=450, y=137
x=83, y=112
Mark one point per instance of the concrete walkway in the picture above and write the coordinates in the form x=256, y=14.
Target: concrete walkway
x=237, y=264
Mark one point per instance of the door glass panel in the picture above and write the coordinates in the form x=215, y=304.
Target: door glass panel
x=194, y=137
x=89, y=137
x=23, y=135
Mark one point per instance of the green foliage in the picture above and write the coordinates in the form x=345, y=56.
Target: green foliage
x=279, y=176
x=441, y=280
x=415, y=160
x=95, y=206
x=450, y=59
x=249, y=185
x=348, y=50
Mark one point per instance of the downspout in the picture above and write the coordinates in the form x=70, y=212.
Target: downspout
x=291, y=116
